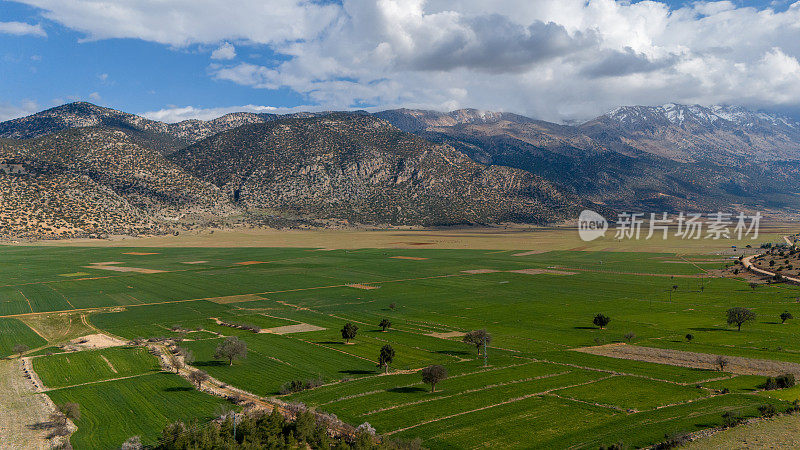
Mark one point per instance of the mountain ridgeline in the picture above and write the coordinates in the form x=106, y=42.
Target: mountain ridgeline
x=84, y=170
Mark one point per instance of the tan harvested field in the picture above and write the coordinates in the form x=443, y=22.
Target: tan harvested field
x=778, y=432
x=532, y=252
x=57, y=327
x=235, y=299
x=695, y=262
x=737, y=365
x=535, y=240
x=112, y=266
x=542, y=271
x=93, y=342
x=289, y=329
x=363, y=286
x=448, y=335
x=140, y=253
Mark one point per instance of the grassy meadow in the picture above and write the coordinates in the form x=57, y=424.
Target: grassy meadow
x=534, y=390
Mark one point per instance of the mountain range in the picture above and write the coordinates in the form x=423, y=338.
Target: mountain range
x=85, y=170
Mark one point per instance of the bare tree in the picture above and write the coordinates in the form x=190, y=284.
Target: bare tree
x=721, y=362
x=478, y=338
x=385, y=323
x=71, y=410
x=629, y=336
x=198, y=377
x=433, y=375
x=231, y=348
x=133, y=443
x=19, y=349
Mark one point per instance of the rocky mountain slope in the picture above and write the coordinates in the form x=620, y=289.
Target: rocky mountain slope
x=95, y=180
x=359, y=169
x=642, y=158
x=723, y=134
x=166, y=137
x=81, y=169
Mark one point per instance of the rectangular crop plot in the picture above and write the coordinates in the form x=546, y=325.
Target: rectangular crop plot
x=113, y=411
x=633, y=393
x=273, y=360
x=14, y=332
x=69, y=369
x=414, y=391
x=156, y=320
x=523, y=424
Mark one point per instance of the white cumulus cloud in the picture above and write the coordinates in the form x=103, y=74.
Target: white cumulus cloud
x=552, y=59
x=180, y=113
x=224, y=51
x=10, y=111
x=183, y=22
x=22, y=29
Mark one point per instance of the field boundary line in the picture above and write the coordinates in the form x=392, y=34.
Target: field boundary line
x=625, y=374
x=46, y=390
x=468, y=391
x=601, y=405
x=482, y=408
x=105, y=308
x=364, y=394
x=26, y=299
x=62, y=296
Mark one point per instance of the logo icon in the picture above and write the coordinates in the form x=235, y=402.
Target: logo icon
x=591, y=225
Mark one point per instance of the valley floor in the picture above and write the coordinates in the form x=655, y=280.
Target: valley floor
x=537, y=300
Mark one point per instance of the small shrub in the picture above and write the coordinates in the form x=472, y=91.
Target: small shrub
x=672, y=441
x=617, y=446
x=300, y=385
x=784, y=381
x=767, y=410
x=730, y=419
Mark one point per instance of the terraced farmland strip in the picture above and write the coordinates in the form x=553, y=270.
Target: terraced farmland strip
x=69, y=369
x=13, y=332
x=113, y=411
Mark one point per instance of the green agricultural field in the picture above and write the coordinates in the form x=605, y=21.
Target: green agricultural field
x=13, y=332
x=70, y=369
x=113, y=411
x=533, y=390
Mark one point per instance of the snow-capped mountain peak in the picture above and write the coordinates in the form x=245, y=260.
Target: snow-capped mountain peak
x=696, y=115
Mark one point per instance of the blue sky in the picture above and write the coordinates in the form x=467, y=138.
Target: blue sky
x=552, y=59
x=128, y=74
